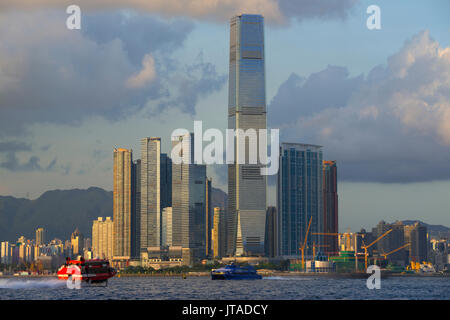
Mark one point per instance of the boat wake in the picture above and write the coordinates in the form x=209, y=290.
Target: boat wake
x=286, y=278
x=30, y=284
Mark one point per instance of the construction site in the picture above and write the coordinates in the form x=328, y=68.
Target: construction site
x=395, y=248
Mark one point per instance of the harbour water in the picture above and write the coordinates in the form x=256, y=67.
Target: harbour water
x=277, y=288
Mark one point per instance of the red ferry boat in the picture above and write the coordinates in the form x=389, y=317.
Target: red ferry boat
x=90, y=271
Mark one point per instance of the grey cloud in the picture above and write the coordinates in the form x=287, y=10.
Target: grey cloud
x=391, y=126
x=193, y=82
x=14, y=146
x=55, y=75
x=296, y=97
x=139, y=33
x=12, y=163
x=275, y=11
x=308, y=9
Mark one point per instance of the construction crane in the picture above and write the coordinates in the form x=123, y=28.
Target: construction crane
x=318, y=245
x=366, y=254
x=393, y=251
x=302, y=248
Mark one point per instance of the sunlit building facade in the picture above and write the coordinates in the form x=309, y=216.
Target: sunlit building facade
x=299, y=197
x=122, y=203
x=246, y=110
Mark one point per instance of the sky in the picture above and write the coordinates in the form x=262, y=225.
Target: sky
x=378, y=101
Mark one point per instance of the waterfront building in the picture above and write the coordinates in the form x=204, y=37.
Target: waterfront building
x=246, y=110
x=188, y=202
x=166, y=227
x=299, y=198
x=208, y=217
x=122, y=205
x=156, y=191
x=136, y=209
x=77, y=242
x=5, y=253
x=330, y=207
x=102, y=238
x=416, y=234
x=271, y=233
x=219, y=233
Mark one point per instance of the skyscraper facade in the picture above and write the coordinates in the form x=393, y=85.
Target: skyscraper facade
x=166, y=232
x=166, y=181
x=150, y=193
x=208, y=216
x=136, y=209
x=102, y=238
x=271, y=232
x=122, y=203
x=189, y=201
x=218, y=233
x=299, y=197
x=330, y=207
x=416, y=235
x=40, y=236
x=246, y=110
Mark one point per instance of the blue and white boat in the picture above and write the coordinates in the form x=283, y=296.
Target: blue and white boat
x=235, y=272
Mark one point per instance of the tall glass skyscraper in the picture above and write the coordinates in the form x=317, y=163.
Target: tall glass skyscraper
x=299, y=197
x=330, y=206
x=246, y=110
x=189, y=202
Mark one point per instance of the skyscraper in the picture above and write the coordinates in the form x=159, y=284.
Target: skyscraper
x=102, y=238
x=208, y=217
x=416, y=234
x=246, y=110
x=299, y=197
x=271, y=232
x=189, y=202
x=77, y=242
x=136, y=209
x=166, y=232
x=122, y=206
x=150, y=193
x=330, y=207
x=40, y=236
x=218, y=233
x=166, y=181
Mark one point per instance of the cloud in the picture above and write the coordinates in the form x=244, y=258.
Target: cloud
x=391, y=126
x=146, y=75
x=54, y=75
x=276, y=11
x=12, y=163
x=193, y=82
x=9, y=150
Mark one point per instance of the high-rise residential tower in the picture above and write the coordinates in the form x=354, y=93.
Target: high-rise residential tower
x=188, y=202
x=246, y=110
x=271, y=232
x=330, y=207
x=102, y=238
x=40, y=236
x=122, y=204
x=150, y=193
x=299, y=197
x=136, y=209
x=166, y=227
x=208, y=217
